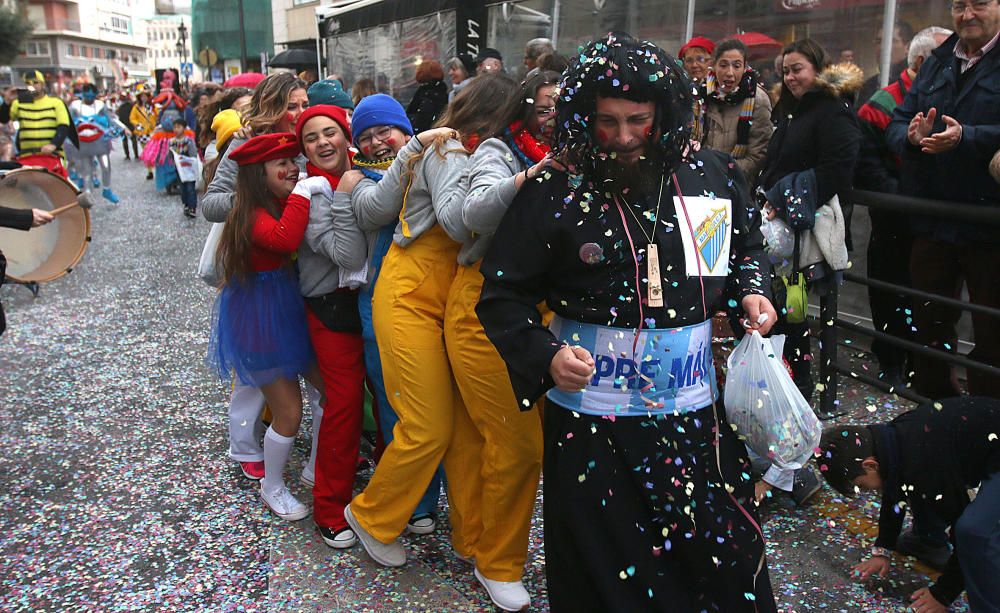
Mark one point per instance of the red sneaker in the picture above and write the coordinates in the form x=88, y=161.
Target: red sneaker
x=252, y=470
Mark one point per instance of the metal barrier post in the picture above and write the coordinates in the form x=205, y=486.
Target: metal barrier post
x=828, y=353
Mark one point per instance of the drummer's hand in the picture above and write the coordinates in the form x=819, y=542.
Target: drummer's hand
x=571, y=368
x=48, y=149
x=40, y=217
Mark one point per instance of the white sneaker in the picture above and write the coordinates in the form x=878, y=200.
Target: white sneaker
x=508, y=595
x=308, y=478
x=339, y=539
x=421, y=524
x=284, y=505
x=391, y=554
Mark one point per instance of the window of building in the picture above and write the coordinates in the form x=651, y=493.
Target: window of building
x=72, y=50
x=36, y=48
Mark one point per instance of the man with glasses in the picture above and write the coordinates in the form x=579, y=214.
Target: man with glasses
x=946, y=131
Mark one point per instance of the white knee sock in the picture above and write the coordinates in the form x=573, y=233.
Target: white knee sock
x=276, y=450
x=317, y=418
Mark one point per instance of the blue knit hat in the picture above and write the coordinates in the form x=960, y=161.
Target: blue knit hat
x=379, y=110
x=329, y=91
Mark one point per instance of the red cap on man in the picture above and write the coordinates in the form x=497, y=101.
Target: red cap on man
x=266, y=147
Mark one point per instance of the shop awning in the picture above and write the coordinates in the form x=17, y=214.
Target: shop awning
x=353, y=15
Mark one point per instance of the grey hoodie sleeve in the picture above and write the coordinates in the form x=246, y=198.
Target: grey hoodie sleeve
x=333, y=232
x=445, y=180
x=491, y=186
x=218, y=198
x=378, y=204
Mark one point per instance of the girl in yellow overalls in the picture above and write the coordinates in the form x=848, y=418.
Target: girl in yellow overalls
x=498, y=441
x=426, y=190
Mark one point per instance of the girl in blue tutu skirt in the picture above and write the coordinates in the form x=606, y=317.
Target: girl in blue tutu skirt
x=259, y=322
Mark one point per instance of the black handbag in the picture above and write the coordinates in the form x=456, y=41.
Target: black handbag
x=338, y=311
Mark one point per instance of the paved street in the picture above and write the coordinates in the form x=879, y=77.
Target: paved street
x=116, y=492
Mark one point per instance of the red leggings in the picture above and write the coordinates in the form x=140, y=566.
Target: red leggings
x=341, y=361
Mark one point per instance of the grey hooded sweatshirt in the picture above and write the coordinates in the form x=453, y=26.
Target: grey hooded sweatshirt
x=491, y=189
x=332, y=239
x=378, y=204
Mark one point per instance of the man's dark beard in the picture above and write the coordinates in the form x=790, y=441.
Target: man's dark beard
x=642, y=175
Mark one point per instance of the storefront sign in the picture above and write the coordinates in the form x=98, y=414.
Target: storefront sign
x=470, y=27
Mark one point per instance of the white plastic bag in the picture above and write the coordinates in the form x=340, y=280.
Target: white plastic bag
x=206, y=265
x=188, y=168
x=779, y=240
x=764, y=405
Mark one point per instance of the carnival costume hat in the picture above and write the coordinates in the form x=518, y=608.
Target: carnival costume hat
x=620, y=66
x=699, y=42
x=329, y=91
x=225, y=124
x=335, y=113
x=266, y=147
x=379, y=110
x=32, y=77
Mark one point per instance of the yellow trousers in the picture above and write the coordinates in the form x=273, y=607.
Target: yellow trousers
x=496, y=446
x=408, y=309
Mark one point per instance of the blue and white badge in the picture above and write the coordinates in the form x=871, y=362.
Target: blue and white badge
x=671, y=371
x=711, y=220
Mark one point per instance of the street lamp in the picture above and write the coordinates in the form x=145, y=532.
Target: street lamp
x=182, y=33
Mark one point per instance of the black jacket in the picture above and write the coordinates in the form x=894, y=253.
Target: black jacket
x=19, y=219
x=818, y=132
x=427, y=105
x=540, y=252
x=962, y=174
x=125, y=113
x=936, y=455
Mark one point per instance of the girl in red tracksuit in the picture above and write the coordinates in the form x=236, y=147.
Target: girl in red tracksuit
x=259, y=320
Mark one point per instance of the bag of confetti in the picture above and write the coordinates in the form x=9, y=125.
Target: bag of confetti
x=764, y=405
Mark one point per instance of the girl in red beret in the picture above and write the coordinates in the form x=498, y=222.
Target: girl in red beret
x=259, y=321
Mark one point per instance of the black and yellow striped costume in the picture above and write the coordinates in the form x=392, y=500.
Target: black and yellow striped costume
x=38, y=123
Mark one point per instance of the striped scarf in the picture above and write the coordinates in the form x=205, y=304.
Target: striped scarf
x=744, y=95
x=373, y=170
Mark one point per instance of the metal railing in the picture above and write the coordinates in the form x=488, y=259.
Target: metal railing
x=831, y=322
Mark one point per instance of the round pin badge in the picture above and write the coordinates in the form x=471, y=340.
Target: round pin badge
x=591, y=253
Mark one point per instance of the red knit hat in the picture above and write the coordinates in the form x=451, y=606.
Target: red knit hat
x=265, y=148
x=324, y=110
x=697, y=41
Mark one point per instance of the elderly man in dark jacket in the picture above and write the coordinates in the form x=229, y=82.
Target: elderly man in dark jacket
x=946, y=131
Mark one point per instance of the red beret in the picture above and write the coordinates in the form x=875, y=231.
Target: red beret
x=324, y=110
x=697, y=41
x=265, y=148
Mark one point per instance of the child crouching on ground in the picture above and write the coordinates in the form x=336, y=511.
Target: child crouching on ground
x=930, y=457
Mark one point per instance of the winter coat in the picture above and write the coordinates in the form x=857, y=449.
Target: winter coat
x=427, y=105
x=721, y=121
x=143, y=120
x=962, y=174
x=936, y=453
x=818, y=132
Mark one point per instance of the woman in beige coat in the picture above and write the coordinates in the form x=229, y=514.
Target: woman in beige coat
x=734, y=115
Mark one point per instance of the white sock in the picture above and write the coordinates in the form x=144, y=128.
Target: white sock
x=317, y=419
x=276, y=450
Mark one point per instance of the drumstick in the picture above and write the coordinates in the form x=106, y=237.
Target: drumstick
x=63, y=209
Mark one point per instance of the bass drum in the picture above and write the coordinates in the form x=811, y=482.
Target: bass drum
x=50, y=251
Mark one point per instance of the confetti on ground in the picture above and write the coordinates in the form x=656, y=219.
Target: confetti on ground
x=118, y=495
